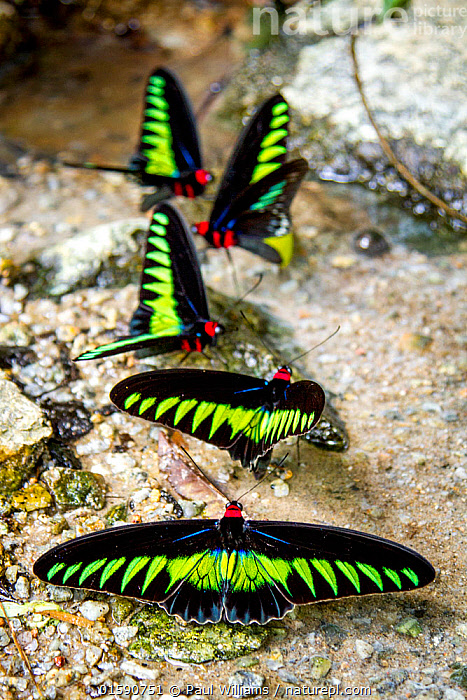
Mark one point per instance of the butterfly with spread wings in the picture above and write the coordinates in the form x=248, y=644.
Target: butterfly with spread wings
x=173, y=311
x=232, y=569
x=252, y=205
x=168, y=155
x=245, y=415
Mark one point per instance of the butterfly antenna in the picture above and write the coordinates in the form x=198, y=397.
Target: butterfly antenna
x=242, y=496
x=205, y=476
x=277, y=360
x=315, y=346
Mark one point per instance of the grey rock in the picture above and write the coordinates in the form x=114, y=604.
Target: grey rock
x=363, y=649
x=23, y=432
x=245, y=682
x=451, y=694
x=410, y=627
x=22, y=587
x=420, y=75
x=72, y=489
x=124, y=633
x=4, y=638
x=79, y=259
x=59, y=594
x=93, y=655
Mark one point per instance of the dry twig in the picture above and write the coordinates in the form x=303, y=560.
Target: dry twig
x=391, y=156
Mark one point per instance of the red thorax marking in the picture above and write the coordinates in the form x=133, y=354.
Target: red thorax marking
x=216, y=239
x=187, y=347
x=178, y=189
x=233, y=511
x=190, y=191
x=283, y=373
x=202, y=228
x=230, y=239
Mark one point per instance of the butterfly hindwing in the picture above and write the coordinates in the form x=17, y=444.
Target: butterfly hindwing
x=231, y=411
x=172, y=295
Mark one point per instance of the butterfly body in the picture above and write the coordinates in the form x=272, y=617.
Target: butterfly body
x=173, y=312
x=232, y=569
x=243, y=414
x=252, y=205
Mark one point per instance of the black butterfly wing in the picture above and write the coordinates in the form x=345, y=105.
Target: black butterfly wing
x=260, y=150
x=231, y=411
x=260, y=215
x=169, y=144
x=172, y=294
x=287, y=564
x=172, y=563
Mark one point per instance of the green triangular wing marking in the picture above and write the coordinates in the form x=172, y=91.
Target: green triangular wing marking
x=411, y=575
x=132, y=569
x=165, y=406
x=55, y=569
x=349, y=571
x=110, y=569
x=302, y=567
x=156, y=120
x=71, y=570
x=183, y=409
x=185, y=568
x=202, y=412
x=131, y=399
x=155, y=567
x=278, y=570
x=394, y=576
x=325, y=569
x=221, y=414
x=146, y=403
x=90, y=569
x=372, y=574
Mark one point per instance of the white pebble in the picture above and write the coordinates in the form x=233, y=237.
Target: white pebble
x=137, y=671
x=124, y=633
x=93, y=610
x=364, y=649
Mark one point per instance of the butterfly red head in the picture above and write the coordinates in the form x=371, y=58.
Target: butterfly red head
x=233, y=510
x=203, y=176
x=284, y=373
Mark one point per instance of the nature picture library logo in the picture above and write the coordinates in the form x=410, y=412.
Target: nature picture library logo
x=328, y=19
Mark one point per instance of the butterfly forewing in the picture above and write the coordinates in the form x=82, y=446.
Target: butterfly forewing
x=169, y=140
x=260, y=150
x=311, y=562
x=233, y=411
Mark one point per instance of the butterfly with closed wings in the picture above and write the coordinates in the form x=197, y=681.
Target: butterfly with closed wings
x=252, y=205
x=168, y=155
x=173, y=311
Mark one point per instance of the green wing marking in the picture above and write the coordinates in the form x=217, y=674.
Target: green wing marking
x=270, y=149
x=156, y=138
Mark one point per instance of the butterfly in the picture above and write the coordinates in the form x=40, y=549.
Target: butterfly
x=233, y=569
x=252, y=205
x=173, y=311
x=243, y=414
x=168, y=155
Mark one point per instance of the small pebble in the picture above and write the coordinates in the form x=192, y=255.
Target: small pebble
x=124, y=633
x=93, y=655
x=462, y=629
x=93, y=610
x=11, y=573
x=245, y=682
x=137, y=671
x=319, y=667
x=280, y=488
x=364, y=649
x=343, y=262
x=4, y=638
x=59, y=594
x=22, y=587
x=460, y=473
x=410, y=626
